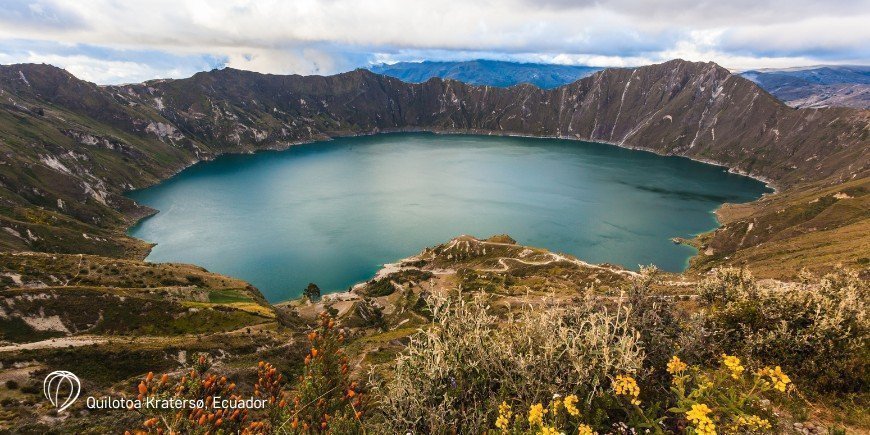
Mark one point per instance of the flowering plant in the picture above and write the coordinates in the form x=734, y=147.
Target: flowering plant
x=728, y=399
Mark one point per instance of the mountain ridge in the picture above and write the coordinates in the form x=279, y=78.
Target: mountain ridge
x=807, y=86
x=816, y=86
x=487, y=72
x=73, y=147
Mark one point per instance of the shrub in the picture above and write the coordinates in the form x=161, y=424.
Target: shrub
x=727, y=285
x=728, y=399
x=324, y=400
x=818, y=331
x=371, y=314
x=198, y=386
x=453, y=375
x=657, y=323
x=381, y=287
x=312, y=292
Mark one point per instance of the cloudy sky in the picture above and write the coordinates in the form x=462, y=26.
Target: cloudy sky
x=113, y=41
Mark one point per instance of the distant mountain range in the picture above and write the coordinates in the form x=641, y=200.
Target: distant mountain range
x=817, y=86
x=487, y=72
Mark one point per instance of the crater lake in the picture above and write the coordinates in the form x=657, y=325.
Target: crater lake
x=333, y=212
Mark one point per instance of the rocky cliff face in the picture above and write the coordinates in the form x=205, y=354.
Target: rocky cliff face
x=70, y=148
x=698, y=110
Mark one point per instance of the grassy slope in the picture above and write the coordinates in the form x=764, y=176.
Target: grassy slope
x=815, y=226
x=53, y=295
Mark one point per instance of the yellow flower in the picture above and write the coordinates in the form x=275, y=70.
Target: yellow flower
x=733, y=364
x=676, y=366
x=570, y=403
x=698, y=415
x=585, y=430
x=555, y=404
x=698, y=412
x=546, y=430
x=504, y=416
x=536, y=415
x=779, y=379
x=753, y=422
x=502, y=423
x=627, y=386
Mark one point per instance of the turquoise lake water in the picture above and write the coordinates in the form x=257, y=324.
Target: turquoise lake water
x=332, y=212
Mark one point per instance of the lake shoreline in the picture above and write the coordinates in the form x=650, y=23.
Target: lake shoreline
x=769, y=183
x=675, y=170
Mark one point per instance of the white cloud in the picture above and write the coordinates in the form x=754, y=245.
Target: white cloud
x=327, y=36
x=92, y=69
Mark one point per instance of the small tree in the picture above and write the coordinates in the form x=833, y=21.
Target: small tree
x=312, y=292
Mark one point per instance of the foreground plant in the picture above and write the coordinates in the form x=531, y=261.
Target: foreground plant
x=727, y=400
x=196, y=390
x=325, y=399
x=561, y=415
x=454, y=375
x=818, y=330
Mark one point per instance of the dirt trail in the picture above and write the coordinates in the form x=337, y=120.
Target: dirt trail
x=54, y=343
x=554, y=259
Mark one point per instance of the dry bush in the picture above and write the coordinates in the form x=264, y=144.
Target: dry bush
x=454, y=373
x=817, y=331
x=658, y=324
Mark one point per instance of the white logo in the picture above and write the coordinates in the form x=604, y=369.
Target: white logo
x=61, y=388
